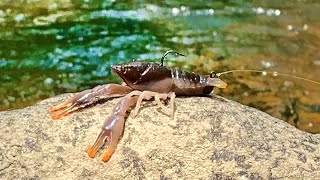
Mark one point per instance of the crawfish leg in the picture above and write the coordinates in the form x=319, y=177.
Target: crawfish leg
x=171, y=95
x=157, y=96
x=113, y=127
x=87, y=97
x=143, y=95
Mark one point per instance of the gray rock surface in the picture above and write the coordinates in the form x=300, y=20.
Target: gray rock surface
x=209, y=138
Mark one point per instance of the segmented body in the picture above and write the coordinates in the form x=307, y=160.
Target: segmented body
x=189, y=83
x=154, y=77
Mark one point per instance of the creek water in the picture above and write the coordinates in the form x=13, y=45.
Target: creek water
x=52, y=47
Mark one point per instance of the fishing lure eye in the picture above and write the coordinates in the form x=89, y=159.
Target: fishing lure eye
x=213, y=75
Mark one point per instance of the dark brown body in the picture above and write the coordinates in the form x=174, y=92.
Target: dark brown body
x=154, y=77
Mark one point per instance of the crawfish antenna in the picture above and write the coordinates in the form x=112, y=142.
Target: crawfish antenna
x=264, y=73
x=168, y=52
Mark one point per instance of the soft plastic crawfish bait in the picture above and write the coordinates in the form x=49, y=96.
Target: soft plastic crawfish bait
x=142, y=81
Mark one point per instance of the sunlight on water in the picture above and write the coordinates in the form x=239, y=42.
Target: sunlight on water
x=52, y=47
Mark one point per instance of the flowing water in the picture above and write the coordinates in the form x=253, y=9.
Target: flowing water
x=57, y=46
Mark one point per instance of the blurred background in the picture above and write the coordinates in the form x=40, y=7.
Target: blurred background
x=50, y=47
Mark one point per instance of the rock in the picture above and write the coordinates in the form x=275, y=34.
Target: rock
x=209, y=138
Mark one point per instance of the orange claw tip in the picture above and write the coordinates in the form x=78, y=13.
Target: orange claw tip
x=106, y=157
x=57, y=107
x=91, y=152
x=52, y=109
x=55, y=116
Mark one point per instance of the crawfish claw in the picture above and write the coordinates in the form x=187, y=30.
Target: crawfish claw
x=112, y=128
x=61, y=110
x=92, y=150
x=78, y=101
x=87, y=97
x=105, y=136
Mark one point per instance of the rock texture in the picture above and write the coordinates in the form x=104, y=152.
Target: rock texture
x=209, y=138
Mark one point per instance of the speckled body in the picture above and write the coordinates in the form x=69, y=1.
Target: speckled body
x=154, y=77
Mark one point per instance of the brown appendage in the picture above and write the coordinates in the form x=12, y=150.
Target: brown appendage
x=157, y=97
x=87, y=97
x=113, y=126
